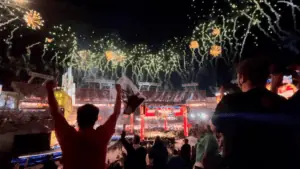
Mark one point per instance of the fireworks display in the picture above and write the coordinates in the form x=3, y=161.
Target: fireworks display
x=220, y=31
x=20, y=2
x=33, y=19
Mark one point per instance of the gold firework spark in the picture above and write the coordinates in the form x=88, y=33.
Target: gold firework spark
x=109, y=55
x=33, y=19
x=194, y=45
x=215, y=50
x=216, y=32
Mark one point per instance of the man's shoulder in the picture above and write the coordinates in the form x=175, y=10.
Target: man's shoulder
x=241, y=97
x=229, y=101
x=275, y=96
x=273, y=100
x=100, y=128
x=233, y=97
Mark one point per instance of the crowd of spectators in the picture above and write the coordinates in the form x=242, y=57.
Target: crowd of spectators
x=254, y=128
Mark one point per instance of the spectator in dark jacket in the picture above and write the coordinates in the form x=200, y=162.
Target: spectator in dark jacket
x=50, y=163
x=159, y=154
x=136, y=154
x=251, y=122
x=176, y=162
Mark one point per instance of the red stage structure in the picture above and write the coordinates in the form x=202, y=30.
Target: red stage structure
x=171, y=108
x=164, y=112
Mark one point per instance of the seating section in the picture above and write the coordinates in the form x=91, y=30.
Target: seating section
x=87, y=95
x=95, y=95
x=39, y=121
x=29, y=90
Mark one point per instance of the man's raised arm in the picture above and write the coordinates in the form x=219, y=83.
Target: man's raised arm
x=110, y=124
x=60, y=122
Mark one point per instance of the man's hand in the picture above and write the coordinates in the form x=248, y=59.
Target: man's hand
x=50, y=85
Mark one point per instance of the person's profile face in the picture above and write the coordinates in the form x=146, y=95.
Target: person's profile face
x=240, y=80
x=212, y=126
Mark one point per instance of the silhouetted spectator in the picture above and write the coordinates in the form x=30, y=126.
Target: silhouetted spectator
x=85, y=149
x=136, y=154
x=50, y=163
x=250, y=122
x=193, y=157
x=186, y=152
x=115, y=165
x=176, y=161
x=159, y=154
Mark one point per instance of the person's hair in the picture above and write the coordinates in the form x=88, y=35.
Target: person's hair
x=186, y=140
x=87, y=115
x=136, y=139
x=255, y=70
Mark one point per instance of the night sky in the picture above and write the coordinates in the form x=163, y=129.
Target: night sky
x=150, y=22
x=137, y=21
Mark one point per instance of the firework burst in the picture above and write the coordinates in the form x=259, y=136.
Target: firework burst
x=33, y=19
